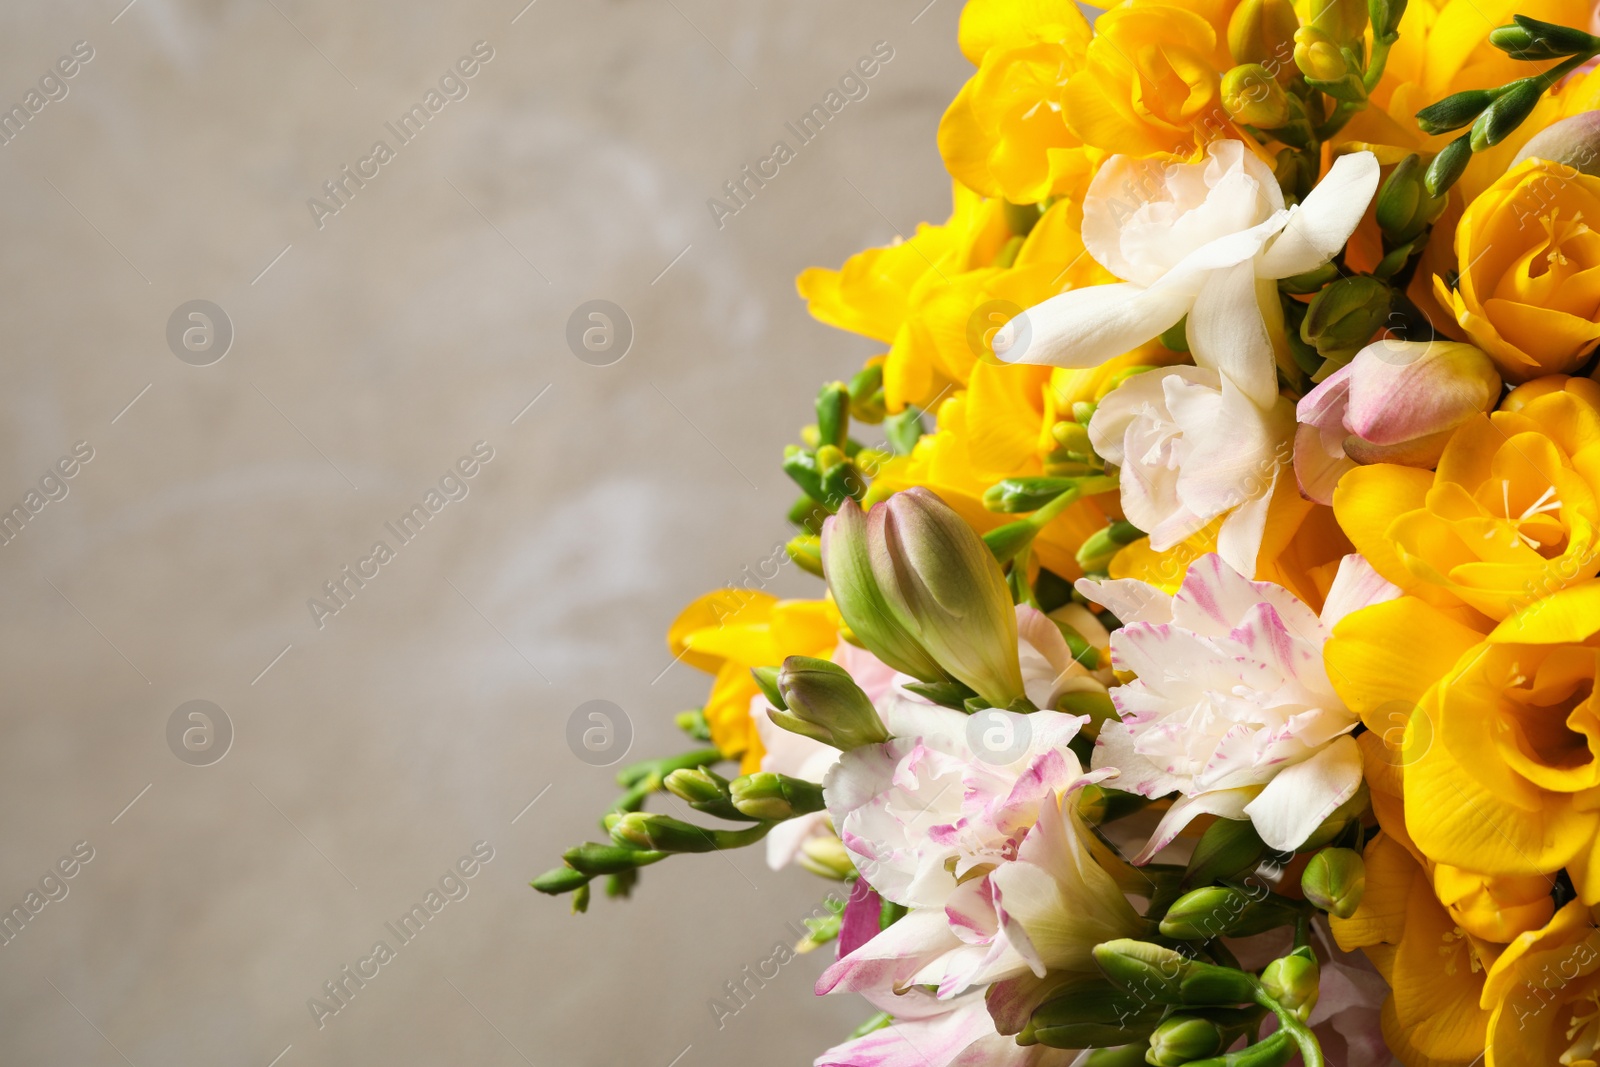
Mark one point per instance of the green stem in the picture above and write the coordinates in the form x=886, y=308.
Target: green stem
x=1379, y=60
x=1310, y=1051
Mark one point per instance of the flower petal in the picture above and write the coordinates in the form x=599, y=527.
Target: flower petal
x=1296, y=801
x=1320, y=224
x=1085, y=327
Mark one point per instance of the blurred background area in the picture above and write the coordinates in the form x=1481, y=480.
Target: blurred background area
x=182, y=491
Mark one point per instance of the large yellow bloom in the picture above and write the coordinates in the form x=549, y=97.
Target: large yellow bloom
x=1528, y=270
x=1003, y=135
x=1545, y=994
x=1435, y=970
x=1511, y=514
x=728, y=631
x=1150, y=84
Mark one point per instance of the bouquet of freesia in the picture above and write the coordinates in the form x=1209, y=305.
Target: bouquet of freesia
x=1206, y=670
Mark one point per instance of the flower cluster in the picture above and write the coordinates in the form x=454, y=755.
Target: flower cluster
x=1206, y=667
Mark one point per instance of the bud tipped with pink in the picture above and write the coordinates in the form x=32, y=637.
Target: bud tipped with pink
x=920, y=589
x=1395, y=402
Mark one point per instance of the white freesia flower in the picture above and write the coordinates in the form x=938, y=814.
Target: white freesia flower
x=1232, y=707
x=1190, y=448
x=1208, y=240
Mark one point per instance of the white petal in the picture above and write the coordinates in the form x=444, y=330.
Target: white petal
x=1228, y=334
x=1129, y=599
x=1320, y=225
x=1239, y=539
x=1296, y=801
x=1355, y=586
x=1227, y=803
x=1085, y=327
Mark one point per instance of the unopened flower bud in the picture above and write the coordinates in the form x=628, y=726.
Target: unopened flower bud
x=833, y=414
x=769, y=796
x=1253, y=96
x=1317, y=56
x=1090, y=1013
x=560, y=880
x=1405, y=399
x=1448, y=166
x=661, y=833
x=1025, y=494
x=846, y=558
x=1143, y=968
x=1262, y=31
x=1293, y=981
x=1228, y=847
x=825, y=855
x=1343, y=20
x=1405, y=207
x=806, y=550
x=943, y=587
x=1501, y=118
x=767, y=680
x=1183, y=1038
x=1454, y=111
x=1385, y=16
x=866, y=394
x=697, y=785
x=1572, y=142
x=824, y=703
x=1334, y=881
x=1097, y=550
x=1203, y=914
x=1531, y=39
x=1344, y=316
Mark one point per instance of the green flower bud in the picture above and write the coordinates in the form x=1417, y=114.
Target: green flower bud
x=826, y=857
x=806, y=550
x=1005, y=542
x=1448, y=166
x=774, y=797
x=1343, y=20
x=847, y=565
x=1025, y=494
x=824, y=703
x=866, y=394
x=560, y=880
x=1343, y=317
x=697, y=785
x=833, y=414
x=1405, y=207
x=1293, y=981
x=1572, y=142
x=1228, y=848
x=1454, y=111
x=942, y=585
x=1203, y=914
x=1253, y=96
x=1385, y=16
x=1262, y=31
x=1126, y=1056
x=1142, y=968
x=801, y=465
x=1335, y=824
x=1182, y=1038
x=1095, y=554
x=1318, y=55
x=1514, y=104
x=592, y=858
x=1335, y=880
x=767, y=679
x=1534, y=40
x=1091, y=1013
x=649, y=831
x=903, y=430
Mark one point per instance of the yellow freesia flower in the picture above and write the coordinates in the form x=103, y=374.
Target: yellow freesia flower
x=1510, y=515
x=1150, y=83
x=1435, y=970
x=1528, y=270
x=727, y=632
x=869, y=295
x=942, y=461
x=952, y=317
x=1544, y=991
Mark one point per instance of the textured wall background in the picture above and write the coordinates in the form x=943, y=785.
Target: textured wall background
x=368, y=355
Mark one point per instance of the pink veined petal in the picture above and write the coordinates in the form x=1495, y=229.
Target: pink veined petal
x=859, y=923
x=892, y=957
x=1296, y=801
x=1215, y=597
x=1227, y=803
x=931, y=1041
x=1320, y=224
x=1355, y=586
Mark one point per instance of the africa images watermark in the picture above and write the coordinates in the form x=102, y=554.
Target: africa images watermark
x=853, y=86
x=341, y=989
x=52, y=88
x=453, y=85
x=453, y=485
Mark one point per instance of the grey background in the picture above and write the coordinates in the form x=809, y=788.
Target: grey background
x=368, y=357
